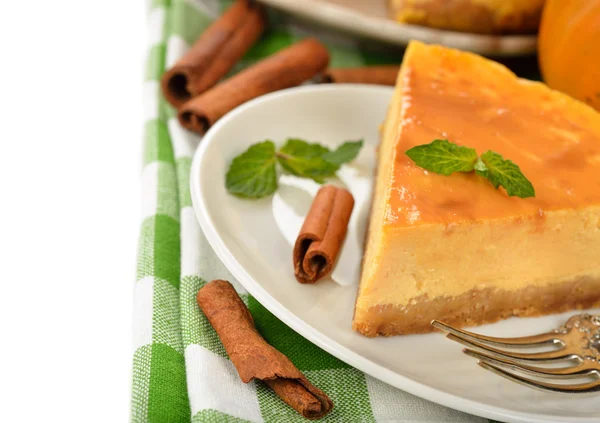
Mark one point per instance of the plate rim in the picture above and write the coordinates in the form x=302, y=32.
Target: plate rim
x=334, y=348
x=389, y=31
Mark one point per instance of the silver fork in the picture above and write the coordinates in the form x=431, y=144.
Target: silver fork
x=575, y=346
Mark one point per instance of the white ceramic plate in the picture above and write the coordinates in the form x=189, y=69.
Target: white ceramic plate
x=245, y=236
x=368, y=18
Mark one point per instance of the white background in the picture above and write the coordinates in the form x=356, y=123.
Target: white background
x=70, y=147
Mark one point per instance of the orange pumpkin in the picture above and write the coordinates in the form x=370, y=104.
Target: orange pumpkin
x=569, y=48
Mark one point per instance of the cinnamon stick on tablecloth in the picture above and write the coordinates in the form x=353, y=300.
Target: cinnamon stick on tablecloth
x=214, y=53
x=287, y=68
x=381, y=75
x=252, y=356
x=322, y=234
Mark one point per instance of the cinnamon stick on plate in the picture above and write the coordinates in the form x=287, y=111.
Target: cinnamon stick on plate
x=381, y=75
x=252, y=356
x=287, y=68
x=322, y=234
x=214, y=53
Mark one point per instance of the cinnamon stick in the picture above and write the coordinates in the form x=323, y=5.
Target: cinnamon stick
x=380, y=75
x=214, y=53
x=285, y=69
x=322, y=234
x=252, y=356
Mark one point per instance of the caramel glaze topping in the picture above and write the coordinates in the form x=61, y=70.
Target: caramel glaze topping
x=471, y=101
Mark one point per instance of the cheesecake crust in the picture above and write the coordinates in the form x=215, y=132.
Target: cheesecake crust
x=479, y=306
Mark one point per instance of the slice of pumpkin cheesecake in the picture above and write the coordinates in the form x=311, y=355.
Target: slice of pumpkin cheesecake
x=457, y=249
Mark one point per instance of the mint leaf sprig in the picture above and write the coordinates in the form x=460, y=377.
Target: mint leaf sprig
x=253, y=174
x=444, y=157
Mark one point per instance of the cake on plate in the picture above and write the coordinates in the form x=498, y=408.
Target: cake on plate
x=453, y=247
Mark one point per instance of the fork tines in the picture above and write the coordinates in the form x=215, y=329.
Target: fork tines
x=555, y=368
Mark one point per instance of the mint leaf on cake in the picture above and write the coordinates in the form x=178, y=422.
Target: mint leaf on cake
x=445, y=158
x=505, y=173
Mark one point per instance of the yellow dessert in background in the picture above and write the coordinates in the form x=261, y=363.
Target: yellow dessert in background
x=480, y=16
x=456, y=249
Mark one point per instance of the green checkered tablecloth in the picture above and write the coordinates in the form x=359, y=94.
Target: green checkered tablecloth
x=180, y=370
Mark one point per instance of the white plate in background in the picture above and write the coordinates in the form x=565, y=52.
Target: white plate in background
x=245, y=236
